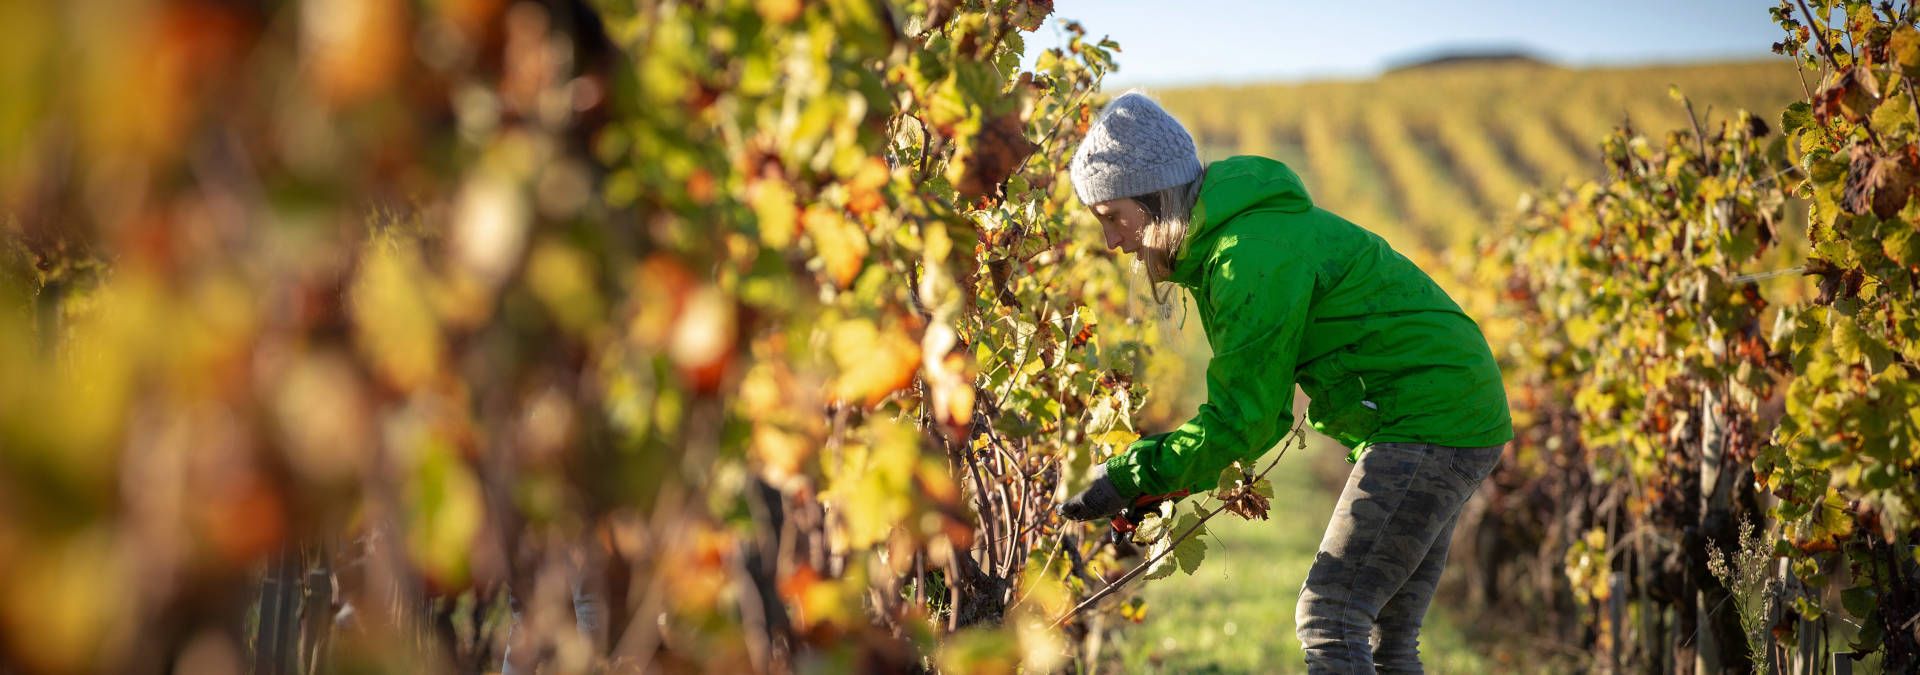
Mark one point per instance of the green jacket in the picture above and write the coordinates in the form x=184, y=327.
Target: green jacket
x=1289, y=292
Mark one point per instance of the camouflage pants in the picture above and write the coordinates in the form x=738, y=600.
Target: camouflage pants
x=1374, y=575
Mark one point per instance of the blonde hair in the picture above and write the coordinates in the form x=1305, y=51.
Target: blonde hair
x=1169, y=219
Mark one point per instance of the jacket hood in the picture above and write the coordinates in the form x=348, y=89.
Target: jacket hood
x=1231, y=187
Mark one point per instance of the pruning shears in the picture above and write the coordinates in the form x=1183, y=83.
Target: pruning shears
x=1129, y=518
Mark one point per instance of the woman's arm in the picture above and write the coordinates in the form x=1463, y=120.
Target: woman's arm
x=1258, y=290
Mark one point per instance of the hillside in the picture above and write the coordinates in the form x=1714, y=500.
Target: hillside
x=1426, y=156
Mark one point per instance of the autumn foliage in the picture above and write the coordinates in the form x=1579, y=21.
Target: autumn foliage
x=355, y=334
x=1673, y=387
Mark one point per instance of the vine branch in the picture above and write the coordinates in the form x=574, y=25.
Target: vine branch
x=1285, y=443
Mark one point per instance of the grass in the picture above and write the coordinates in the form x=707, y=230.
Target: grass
x=1235, y=614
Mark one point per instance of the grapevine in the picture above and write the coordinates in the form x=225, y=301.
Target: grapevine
x=404, y=327
x=1662, y=397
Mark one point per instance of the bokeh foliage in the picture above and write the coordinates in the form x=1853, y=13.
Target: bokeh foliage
x=330, y=325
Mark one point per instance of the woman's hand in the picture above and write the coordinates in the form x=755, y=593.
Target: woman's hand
x=1100, y=500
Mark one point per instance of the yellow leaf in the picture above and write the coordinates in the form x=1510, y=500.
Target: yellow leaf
x=781, y=455
x=1903, y=48
x=775, y=211
x=1042, y=650
x=873, y=362
x=870, y=483
x=841, y=245
x=1118, y=438
x=444, y=513
x=778, y=11
x=978, y=651
x=864, y=188
x=69, y=594
x=394, y=323
x=562, y=277
x=1046, y=591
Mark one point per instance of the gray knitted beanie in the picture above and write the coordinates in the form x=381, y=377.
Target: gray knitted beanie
x=1133, y=148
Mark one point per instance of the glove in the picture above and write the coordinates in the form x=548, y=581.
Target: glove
x=1100, y=500
x=1129, y=518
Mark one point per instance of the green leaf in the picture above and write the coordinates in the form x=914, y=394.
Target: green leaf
x=1899, y=243
x=1834, y=521
x=1895, y=115
x=1853, y=343
x=1263, y=487
x=1193, y=549
x=1186, y=556
x=1870, y=637
x=1230, y=477
x=1797, y=116
x=1191, y=552
x=1152, y=528
x=1045, y=411
x=1809, y=610
x=1825, y=171
x=1860, y=601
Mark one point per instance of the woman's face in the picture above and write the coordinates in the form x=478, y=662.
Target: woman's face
x=1122, y=221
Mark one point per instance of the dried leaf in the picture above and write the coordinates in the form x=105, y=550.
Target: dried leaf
x=1877, y=184
x=991, y=156
x=1850, y=95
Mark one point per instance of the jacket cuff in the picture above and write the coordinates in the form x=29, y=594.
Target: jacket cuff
x=1128, y=470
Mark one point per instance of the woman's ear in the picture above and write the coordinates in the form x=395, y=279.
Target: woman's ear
x=1149, y=203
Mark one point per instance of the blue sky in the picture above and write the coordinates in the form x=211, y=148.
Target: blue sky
x=1190, y=41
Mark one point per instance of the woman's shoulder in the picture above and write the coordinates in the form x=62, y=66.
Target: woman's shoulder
x=1310, y=233
x=1264, y=248
x=1315, y=240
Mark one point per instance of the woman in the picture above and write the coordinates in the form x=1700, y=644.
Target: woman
x=1287, y=293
